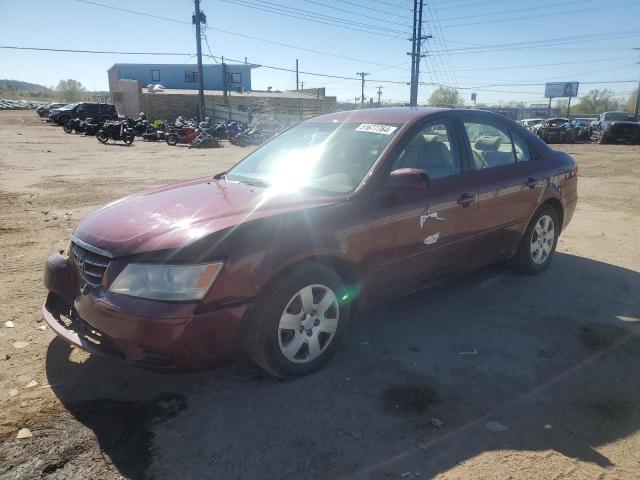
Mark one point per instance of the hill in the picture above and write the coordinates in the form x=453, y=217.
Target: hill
x=18, y=89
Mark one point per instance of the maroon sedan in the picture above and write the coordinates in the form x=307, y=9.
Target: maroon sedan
x=272, y=255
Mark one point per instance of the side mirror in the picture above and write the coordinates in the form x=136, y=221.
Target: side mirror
x=408, y=179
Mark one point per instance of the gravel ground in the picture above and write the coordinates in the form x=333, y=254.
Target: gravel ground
x=491, y=375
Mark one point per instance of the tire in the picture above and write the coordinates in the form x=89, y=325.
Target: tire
x=128, y=137
x=67, y=127
x=601, y=139
x=172, y=139
x=102, y=136
x=284, y=352
x=529, y=259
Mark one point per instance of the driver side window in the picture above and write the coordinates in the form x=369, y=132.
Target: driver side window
x=433, y=150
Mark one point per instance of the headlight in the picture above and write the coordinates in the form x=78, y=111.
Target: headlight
x=166, y=282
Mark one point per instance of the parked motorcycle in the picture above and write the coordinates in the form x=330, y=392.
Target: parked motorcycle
x=90, y=126
x=205, y=139
x=87, y=127
x=185, y=134
x=250, y=136
x=116, y=130
x=73, y=125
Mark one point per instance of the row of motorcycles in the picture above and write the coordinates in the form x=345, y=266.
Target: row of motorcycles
x=190, y=132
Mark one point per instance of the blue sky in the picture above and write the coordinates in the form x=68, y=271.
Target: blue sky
x=584, y=41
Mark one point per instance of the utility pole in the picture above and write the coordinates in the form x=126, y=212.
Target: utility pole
x=225, y=83
x=379, y=94
x=415, y=51
x=301, y=85
x=362, y=75
x=637, y=102
x=198, y=18
x=297, y=79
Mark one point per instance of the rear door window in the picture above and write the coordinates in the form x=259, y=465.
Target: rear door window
x=521, y=148
x=490, y=144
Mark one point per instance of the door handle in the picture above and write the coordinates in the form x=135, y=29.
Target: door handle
x=532, y=182
x=465, y=199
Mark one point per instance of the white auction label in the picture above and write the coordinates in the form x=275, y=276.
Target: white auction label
x=375, y=128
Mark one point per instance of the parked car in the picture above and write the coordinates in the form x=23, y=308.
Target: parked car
x=530, y=122
x=43, y=110
x=581, y=128
x=555, y=130
x=616, y=127
x=99, y=111
x=338, y=212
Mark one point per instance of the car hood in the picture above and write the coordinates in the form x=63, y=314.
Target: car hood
x=175, y=215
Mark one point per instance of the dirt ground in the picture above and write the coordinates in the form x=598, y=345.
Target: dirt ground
x=489, y=376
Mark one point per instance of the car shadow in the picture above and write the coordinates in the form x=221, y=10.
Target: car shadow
x=489, y=361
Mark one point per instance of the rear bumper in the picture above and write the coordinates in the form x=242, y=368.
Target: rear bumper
x=150, y=334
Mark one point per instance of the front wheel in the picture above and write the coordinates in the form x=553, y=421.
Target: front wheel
x=539, y=242
x=298, y=322
x=67, y=127
x=127, y=137
x=172, y=139
x=102, y=136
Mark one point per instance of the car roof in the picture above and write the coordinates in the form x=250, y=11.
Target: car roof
x=399, y=115
x=381, y=115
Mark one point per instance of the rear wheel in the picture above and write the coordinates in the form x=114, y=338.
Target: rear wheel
x=539, y=241
x=298, y=322
x=102, y=136
x=67, y=127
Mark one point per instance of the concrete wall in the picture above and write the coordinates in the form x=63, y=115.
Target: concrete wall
x=167, y=106
x=126, y=97
x=173, y=76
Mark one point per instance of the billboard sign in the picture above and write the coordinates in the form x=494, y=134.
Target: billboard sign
x=561, y=89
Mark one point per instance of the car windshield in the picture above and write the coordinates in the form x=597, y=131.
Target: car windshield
x=328, y=157
x=619, y=117
x=69, y=107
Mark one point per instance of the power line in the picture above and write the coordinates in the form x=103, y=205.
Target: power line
x=472, y=4
x=547, y=42
x=541, y=65
x=309, y=17
x=242, y=35
x=271, y=67
x=505, y=12
x=386, y=12
x=528, y=17
x=359, y=14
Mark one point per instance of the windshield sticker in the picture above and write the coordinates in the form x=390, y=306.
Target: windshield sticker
x=375, y=128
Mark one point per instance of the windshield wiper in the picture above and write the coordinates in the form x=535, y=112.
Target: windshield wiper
x=255, y=183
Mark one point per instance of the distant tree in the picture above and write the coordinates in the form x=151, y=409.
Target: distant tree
x=631, y=103
x=562, y=105
x=513, y=104
x=70, y=90
x=597, y=101
x=446, y=97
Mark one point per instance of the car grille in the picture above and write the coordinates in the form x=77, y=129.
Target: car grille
x=91, y=266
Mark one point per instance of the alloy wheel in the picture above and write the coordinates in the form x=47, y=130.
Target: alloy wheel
x=308, y=323
x=542, y=240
